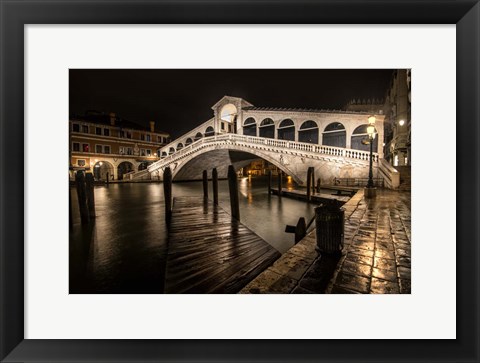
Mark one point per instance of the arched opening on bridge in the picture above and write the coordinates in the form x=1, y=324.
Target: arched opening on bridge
x=124, y=168
x=179, y=146
x=171, y=151
x=188, y=141
x=308, y=132
x=100, y=170
x=335, y=135
x=164, y=154
x=250, y=127
x=286, y=130
x=228, y=112
x=209, y=131
x=360, y=139
x=198, y=136
x=267, y=128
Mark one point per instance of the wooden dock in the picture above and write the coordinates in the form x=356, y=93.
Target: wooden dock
x=209, y=252
x=315, y=198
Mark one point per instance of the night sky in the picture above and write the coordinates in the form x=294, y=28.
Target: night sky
x=178, y=99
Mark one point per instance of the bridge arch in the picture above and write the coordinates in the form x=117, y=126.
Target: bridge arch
x=308, y=132
x=334, y=134
x=123, y=168
x=250, y=127
x=267, y=128
x=179, y=146
x=359, y=136
x=209, y=131
x=171, y=150
x=286, y=130
x=188, y=141
x=198, y=136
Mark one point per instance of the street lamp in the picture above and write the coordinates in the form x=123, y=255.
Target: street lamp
x=370, y=190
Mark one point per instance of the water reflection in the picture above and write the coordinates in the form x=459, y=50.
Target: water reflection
x=124, y=250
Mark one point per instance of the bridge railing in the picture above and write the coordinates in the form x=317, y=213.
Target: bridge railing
x=265, y=143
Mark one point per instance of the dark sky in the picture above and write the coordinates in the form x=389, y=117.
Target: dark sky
x=178, y=99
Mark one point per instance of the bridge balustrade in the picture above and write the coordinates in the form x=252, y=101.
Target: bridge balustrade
x=245, y=140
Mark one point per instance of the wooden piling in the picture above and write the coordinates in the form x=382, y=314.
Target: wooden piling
x=233, y=188
x=318, y=185
x=313, y=181
x=108, y=178
x=89, y=183
x=205, y=185
x=82, y=196
x=309, y=184
x=269, y=181
x=279, y=182
x=167, y=193
x=215, y=185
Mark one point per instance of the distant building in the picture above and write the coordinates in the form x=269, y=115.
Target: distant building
x=103, y=143
x=398, y=119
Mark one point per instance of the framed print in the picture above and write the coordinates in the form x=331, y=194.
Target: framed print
x=254, y=73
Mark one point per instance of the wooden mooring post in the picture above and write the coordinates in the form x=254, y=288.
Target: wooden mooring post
x=215, y=185
x=310, y=183
x=269, y=181
x=205, y=185
x=167, y=192
x=89, y=183
x=108, y=178
x=318, y=185
x=82, y=196
x=233, y=188
x=279, y=182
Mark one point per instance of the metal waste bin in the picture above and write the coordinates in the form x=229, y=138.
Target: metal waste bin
x=329, y=225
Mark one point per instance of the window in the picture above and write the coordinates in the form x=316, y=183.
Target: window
x=76, y=146
x=142, y=137
x=106, y=149
x=223, y=126
x=85, y=129
x=98, y=130
x=85, y=148
x=98, y=149
x=142, y=152
x=81, y=162
x=76, y=128
x=159, y=139
x=122, y=133
x=106, y=132
x=129, y=135
x=148, y=138
x=149, y=152
x=124, y=150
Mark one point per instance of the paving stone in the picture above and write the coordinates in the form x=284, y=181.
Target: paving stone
x=384, y=264
x=383, y=287
x=340, y=290
x=364, y=245
x=269, y=282
x=359, y=258
x=403, y=261
x=405, y=286
x=356, y=268
x=301, y=290
x=384, y=274
x=359, y=251
x=353, y=282
x=305, y=250
x=386, y=254
x=291, y=265
x=404, y=273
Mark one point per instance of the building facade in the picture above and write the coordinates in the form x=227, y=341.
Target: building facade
x=107, y=145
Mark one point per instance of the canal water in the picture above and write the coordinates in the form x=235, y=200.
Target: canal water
x=124, y=250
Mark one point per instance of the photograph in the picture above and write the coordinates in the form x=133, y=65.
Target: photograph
x=239, y=181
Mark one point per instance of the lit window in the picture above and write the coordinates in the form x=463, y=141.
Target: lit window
x=81, y=162
x=76, y=146
x=85, y=148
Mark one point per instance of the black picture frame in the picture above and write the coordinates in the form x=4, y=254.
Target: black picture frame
x=15, y=14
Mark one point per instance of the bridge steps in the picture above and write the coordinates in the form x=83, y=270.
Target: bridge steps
x=209, y=252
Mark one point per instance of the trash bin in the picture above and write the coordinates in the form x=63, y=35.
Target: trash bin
x=329, y=222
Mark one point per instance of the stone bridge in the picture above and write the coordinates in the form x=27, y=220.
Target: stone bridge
x=291, y=157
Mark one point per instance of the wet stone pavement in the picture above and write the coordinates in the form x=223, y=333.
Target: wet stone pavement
x=376, y=258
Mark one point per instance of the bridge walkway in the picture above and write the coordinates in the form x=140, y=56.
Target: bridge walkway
x=209, y=252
